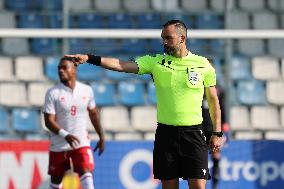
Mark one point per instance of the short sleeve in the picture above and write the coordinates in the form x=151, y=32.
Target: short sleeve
x=91, y=103
x=210, y=77
x=49, y=103
x=145, y=64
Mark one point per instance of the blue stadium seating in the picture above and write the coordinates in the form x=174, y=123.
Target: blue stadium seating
x=155, y=46
x=186, y=18
x=79, y=46
x=18, y=5
x=131, y=94
x=117, y=76
x=144, y=77
x=135, y=46
x=151, y=93
x=55, y=5
x=198, y=46
x=25, y=120
x=44, y=46
x=55, y=21
x=120, y=20
x=251, y=92
x=209, y=21
x=240, y=68
x=4, y=120
x=105, y=46
x=50, y=67
x=88, y=72
x=31, y=20
x=90, y=20
x=217, y=47
x=149, y=21
x=105, y=93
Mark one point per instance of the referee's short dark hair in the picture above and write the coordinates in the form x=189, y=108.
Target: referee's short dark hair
x=180, y=26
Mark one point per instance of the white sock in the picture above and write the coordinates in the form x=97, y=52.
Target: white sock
x=87, y=181
x=55, y=186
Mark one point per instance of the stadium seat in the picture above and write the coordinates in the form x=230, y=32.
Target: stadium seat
x=94, y=136
x=23, y=65
x=7, y=20
x=120, y=20
x=217, y=47
x=218, y=5
x=4, y=120
x=144, y=77
x=108, y=5
x=252, y=5
x=209, y=21
x=152, y=99
x=233, y=20
x=265, y=68
x=36, y=93
x=115, y=119
x=105, y=93
x=276, y=5
x=6, y=71
x=136, y=5
x=117, y=76
x=127, y=136
x=245, y=135
x=55, y=21
x=10, y=43
x=44, y=46
x=264, y=20
x=275, y=47
x=265, y=118
x=239, y=118
x=149, y=21
x=149, y=136
x=84, y=5
x=106, y=46
x=50, y=67
x=274, y=92
x=251, y=92
x=155, y=46
x=13, y=94
x=79, y=46
x=90, y=20
x=274, y=135
x=144, y=118
x=31, y=20
x=165, y=5
x=194, y=5
x=198, y=46
x=251, y=47
x=131, y=94
x=88, y=72
x=233, y=96
x=25, y=120
x=134, y=46
x=49, y=5
x=240, y=68
x=18, y=5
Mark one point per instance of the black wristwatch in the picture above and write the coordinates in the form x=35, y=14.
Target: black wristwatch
x=218, y=134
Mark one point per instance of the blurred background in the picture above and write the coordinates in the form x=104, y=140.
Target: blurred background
x=250, y=70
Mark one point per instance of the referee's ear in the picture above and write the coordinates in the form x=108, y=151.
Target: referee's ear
x=183, y=39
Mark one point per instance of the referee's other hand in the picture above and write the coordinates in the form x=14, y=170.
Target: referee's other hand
x=77, y=58
x=215, y=143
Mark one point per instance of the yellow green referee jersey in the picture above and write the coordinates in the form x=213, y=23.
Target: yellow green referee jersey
x=179, y=84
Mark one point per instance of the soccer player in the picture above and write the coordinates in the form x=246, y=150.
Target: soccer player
x=67, y=107
x=180, y=149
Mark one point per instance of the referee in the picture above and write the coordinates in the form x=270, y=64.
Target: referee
x=180, y=149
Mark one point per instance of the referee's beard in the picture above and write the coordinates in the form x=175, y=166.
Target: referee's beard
x=171, y=50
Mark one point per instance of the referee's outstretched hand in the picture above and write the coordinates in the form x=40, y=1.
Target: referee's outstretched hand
x=78, y=58
x=215, y=143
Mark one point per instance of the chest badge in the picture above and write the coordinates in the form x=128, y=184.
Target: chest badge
x=193, y=78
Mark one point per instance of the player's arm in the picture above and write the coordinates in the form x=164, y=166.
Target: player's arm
x=94, y=116
x=215, y=114
x=106, y=62
x=54, y=127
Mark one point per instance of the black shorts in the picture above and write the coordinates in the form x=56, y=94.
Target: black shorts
x=180, y=152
